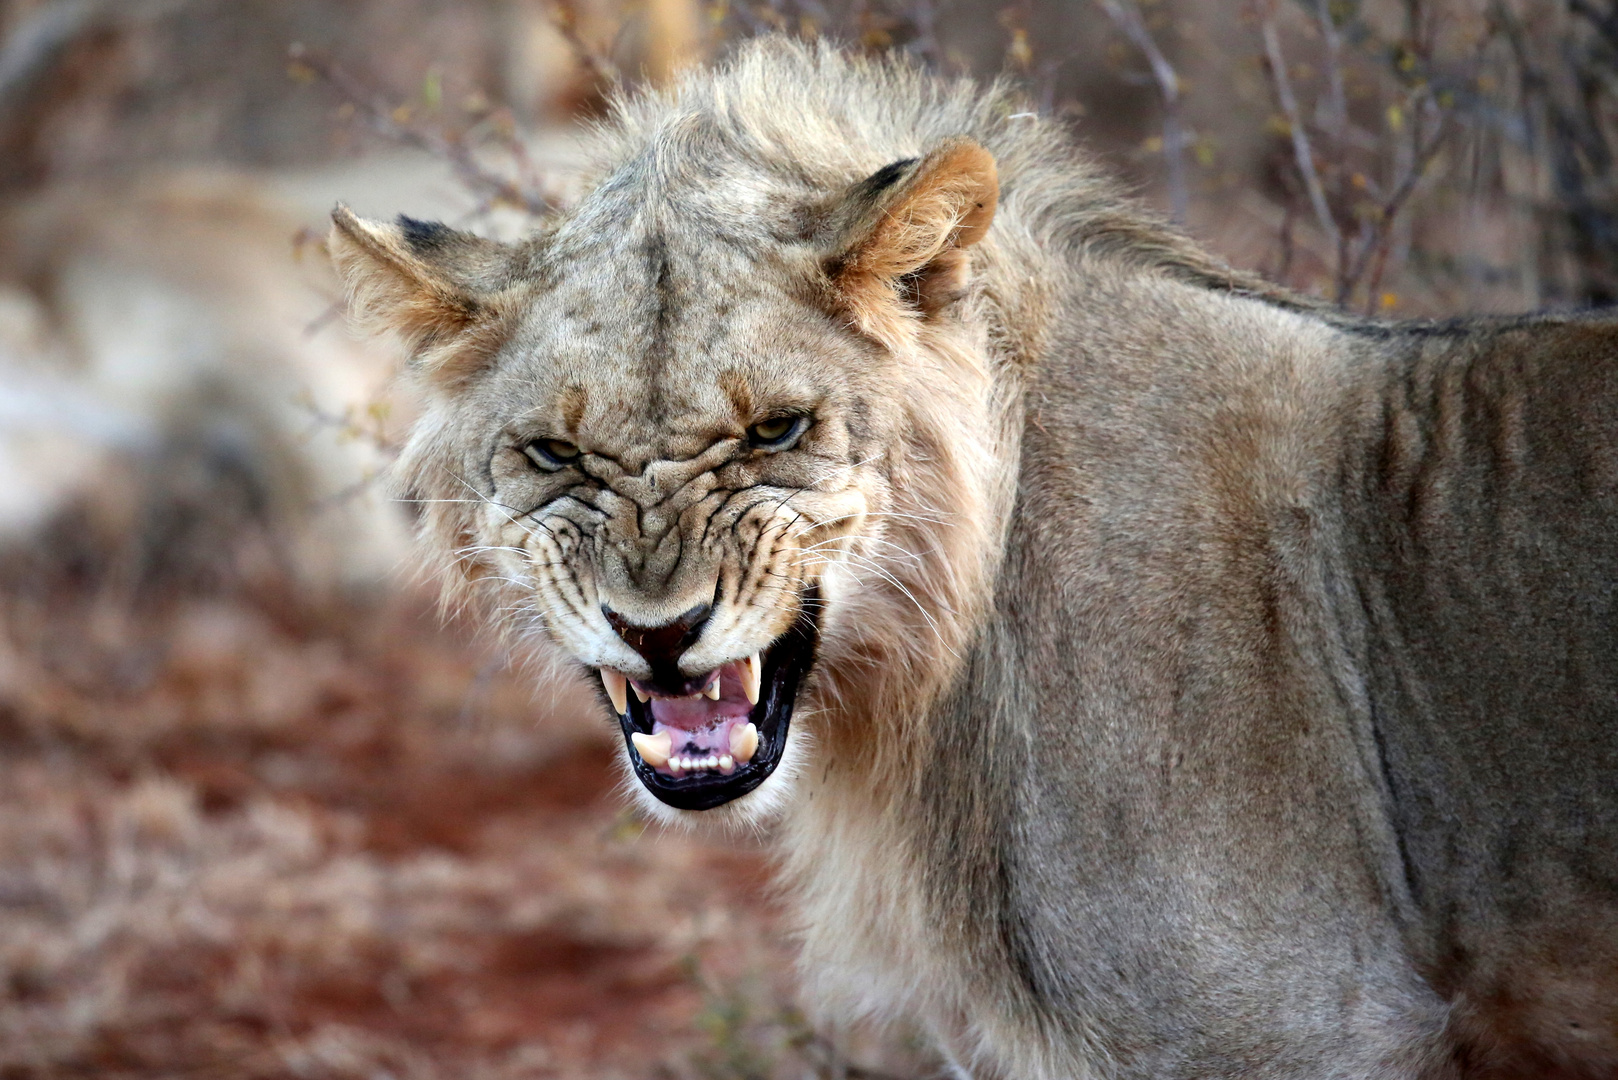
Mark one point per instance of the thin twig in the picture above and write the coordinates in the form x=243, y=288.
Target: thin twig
x=1388, y=212
x=450, y=147
x=1338, y=95
x=1127, y=18
x=1336, y=125
x=1300, y=138
x=565, y=17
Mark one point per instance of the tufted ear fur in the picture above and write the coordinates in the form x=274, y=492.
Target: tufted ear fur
x=902, y=233
x=441, y=290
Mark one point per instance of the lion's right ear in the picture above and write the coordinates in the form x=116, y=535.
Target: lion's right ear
x=424, y=281
x=901, y=236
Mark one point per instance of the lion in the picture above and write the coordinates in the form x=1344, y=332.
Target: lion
x=1144, y=672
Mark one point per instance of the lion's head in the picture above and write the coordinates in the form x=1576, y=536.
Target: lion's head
x=723, y=432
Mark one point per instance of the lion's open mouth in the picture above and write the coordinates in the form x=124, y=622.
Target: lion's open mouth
x=697, y=752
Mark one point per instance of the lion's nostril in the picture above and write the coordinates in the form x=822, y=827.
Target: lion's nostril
x=662, y=646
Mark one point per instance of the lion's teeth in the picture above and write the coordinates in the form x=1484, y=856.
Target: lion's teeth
x=639, y=693
x=712, y=693
x=727, y=764
x=653, y=749
x=616, y=689
x=752, y=675
x=676, y=765
x=743, y=742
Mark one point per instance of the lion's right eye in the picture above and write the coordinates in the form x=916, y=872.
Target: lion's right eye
x=551, y=454
x=778, y=432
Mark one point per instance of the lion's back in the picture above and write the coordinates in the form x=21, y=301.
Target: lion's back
x=1483, y=509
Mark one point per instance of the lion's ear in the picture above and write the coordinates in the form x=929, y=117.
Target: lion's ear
x=902, y=235
x=426, y=282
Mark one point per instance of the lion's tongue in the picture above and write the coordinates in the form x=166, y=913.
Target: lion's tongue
x=699, y=726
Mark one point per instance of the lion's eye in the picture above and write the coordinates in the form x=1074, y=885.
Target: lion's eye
x=778, y=432
x=551, y=453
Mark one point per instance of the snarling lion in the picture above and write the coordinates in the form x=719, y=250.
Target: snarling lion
x=1148, y=673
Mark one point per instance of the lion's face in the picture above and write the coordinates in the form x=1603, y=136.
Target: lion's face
x=670, y=478
x=677, y=456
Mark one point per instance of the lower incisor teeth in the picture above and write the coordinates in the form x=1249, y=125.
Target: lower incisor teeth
x=679, y=763
x=743, y=742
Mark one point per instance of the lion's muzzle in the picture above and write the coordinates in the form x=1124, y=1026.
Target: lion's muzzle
x=724, y=733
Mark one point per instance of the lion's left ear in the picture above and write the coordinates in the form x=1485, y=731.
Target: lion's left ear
x=902, y=235
x=434, y=286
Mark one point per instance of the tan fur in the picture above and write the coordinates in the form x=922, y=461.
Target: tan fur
x=1114, y=758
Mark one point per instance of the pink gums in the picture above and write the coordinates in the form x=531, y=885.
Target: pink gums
x=699, y=726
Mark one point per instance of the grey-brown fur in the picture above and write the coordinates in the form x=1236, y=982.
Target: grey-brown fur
x=1230, y=687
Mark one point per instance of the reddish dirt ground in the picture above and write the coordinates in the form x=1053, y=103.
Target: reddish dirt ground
x=249, y=838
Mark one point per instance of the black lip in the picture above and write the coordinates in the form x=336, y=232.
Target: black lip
x=786, y=662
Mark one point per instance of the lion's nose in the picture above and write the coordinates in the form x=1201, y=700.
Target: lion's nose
x=662, y=646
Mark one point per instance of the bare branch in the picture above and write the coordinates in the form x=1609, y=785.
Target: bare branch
x=1301, y=149
x=1127, y=18
x=1337, y=99
x=1336, y=124
x=447, y=145
x=565, y=17
x=1377, y=244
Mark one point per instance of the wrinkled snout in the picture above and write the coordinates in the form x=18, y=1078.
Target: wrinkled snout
x=662, y=646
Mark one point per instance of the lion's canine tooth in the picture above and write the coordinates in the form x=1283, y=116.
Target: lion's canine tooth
x=638, y=693
x=743, y=743
x=712, y=693
x=752, y=676
x=653, y=749
x=616, y=684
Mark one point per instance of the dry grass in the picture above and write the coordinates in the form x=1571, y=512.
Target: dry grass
x=245, y=836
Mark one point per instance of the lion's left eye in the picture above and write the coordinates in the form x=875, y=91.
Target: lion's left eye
x=551, y=453
x=778, y=432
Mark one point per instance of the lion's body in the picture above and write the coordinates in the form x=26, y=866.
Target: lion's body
x=1291, y=746
x=1208, y=685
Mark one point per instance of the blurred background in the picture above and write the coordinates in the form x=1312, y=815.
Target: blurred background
x=266, y=812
